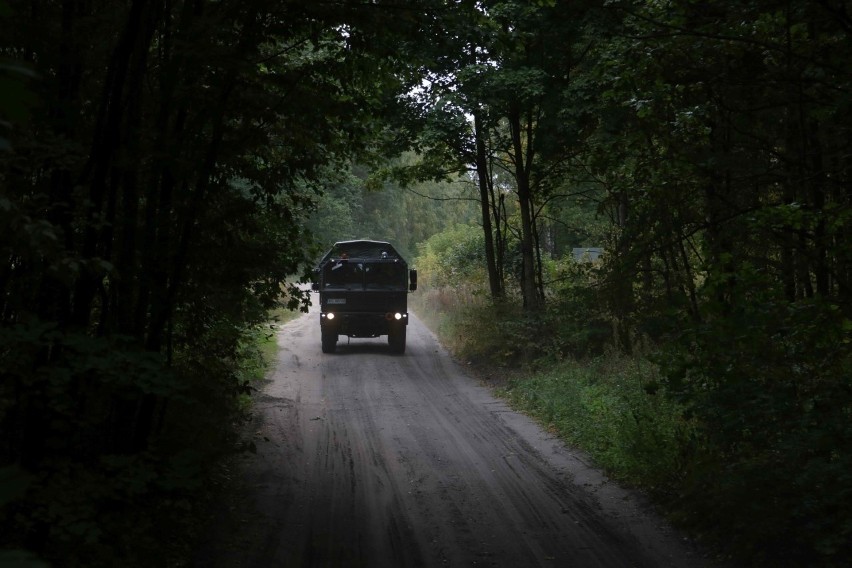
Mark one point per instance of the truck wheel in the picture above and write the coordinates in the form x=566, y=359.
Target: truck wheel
x=396, y=339
x=329, y=342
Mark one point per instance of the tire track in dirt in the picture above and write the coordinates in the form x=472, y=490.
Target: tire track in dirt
x=370, y=459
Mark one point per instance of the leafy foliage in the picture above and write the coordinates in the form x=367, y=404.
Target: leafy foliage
x=161, y=161
x=769, y=384
x=154, y=193
x=714, y=140
x=355, y=205
x=610, y=408
x=452, y=257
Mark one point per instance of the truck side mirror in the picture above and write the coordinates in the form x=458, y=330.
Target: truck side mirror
x=315, y=286
x=412, y=279
x=315, y=283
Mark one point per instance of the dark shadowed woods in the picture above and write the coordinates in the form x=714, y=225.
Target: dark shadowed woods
x=167, y=165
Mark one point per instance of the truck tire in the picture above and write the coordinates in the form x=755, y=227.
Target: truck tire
x=329, y=342
x=396, y=339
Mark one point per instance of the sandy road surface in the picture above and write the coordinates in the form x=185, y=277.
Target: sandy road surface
x=370, y=459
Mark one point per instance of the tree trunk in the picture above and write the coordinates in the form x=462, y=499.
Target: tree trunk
x=484, y=176
x=522, y=157
x=498, y=210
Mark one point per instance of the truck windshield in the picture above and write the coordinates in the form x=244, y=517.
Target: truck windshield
x=359, y=275
x=385, y=276
x=344, y=275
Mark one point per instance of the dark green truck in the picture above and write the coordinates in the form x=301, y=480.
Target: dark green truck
x=363, y=291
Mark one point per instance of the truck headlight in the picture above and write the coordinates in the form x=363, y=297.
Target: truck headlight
x=397, y=316
x=330, y=315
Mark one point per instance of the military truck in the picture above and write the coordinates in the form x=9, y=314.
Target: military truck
x=363, y=291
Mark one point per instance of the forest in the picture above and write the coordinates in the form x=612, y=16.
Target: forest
x=170, y=169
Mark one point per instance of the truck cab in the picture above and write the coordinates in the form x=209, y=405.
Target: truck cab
x=363, y=289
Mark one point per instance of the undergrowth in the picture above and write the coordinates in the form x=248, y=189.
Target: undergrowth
x=747, y=448
x=612, y=406
x=147, y=508
x=473, y=328
x=255, y=355
x=613, y=409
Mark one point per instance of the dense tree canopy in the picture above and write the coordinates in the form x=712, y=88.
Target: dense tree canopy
x=714, y=139
x=159, y=163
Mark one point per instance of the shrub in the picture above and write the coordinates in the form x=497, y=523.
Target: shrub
x=614, y=409
x=770, y=384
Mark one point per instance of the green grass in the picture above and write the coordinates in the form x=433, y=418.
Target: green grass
x=260, y=348
x=257, y=354
x=282, y=315
x=472, y=327
x=613, y=409
x=719, y=468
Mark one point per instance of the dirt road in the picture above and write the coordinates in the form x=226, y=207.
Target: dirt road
x=370, y=459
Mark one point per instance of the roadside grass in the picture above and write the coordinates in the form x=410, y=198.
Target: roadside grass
x=282, y=315
x=255, y=356
x=222, y=437
x=153, y=508
x=471, y=326
x=257, y=353
x=612, y=408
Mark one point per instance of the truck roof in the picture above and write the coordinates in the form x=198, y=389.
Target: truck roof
x=362, y=249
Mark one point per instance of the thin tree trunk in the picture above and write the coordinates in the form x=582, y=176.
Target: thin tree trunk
x=498, y=210
x=539, y=272
x=123, y=79
x=483, y=173
x=522, y=179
